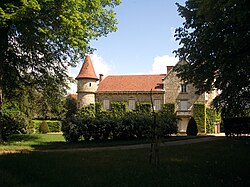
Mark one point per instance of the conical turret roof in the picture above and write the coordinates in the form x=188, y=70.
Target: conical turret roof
x=87, y=70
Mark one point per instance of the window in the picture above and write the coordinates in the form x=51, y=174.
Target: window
x=131, y=104
x=183, y=105
x=106, y=104
x=183, y=88
x=90, y=84
x=157, y=104
x=206, y=96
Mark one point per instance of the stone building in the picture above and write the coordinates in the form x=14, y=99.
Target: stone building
x=165, y=88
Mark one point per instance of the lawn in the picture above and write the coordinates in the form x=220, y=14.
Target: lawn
x=217, y=163
x=30, y=142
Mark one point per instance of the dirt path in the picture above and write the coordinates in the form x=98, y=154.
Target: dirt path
x=124, y=147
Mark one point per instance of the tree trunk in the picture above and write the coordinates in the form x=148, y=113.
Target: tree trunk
x=3, y=51
x=154, y=157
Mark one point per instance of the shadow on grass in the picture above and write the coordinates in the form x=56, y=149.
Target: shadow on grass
x=24, y=137
x=106, y=143
x=87, y=144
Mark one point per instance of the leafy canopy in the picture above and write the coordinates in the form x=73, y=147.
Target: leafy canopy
x=215, y=40
x=41, y=38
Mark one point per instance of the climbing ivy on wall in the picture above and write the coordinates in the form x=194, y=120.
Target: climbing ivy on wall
x=87, y=111
x=199, y=114
x=98, y=107
x=143, y=107
x=118, y=109
x=169, y=108
x=212, y=117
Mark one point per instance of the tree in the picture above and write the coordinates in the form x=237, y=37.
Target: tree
x=70, y=105
x=192, y=129
x=41, y=38
x=215, y=40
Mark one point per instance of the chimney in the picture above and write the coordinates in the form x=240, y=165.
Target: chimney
x=100, y=77
x=169, y=68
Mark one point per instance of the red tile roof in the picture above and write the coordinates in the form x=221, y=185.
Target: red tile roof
x=87, y=70
x=72, y=96
x=121, y=83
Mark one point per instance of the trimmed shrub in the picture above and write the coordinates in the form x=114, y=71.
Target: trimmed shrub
x=236, y=126
x=168, y=125
x=54, y=126
x=117, y=123
x=167, y=120
x=44, y=127
x=71, y=128
x=12, y=122
x=192, y=129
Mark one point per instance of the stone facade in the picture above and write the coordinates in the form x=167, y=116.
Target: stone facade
x=86, y=90
x=167, y=88
x=126, y=96
x=184, y=96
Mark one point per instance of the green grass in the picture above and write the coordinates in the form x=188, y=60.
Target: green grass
x=217, y=163
x=30, y=142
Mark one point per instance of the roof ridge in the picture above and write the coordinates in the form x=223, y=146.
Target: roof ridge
x=139, y=75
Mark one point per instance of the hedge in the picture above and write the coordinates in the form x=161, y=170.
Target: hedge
x=236, y=126
x=118, y=123
x=53, y=126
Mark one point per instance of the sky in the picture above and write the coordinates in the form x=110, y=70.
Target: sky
x=143, y=44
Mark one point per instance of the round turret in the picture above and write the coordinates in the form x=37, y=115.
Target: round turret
x=86, y=84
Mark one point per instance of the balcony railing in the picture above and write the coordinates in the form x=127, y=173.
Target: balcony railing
x=183, y=113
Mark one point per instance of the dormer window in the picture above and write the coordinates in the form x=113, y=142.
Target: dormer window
x=183, y=88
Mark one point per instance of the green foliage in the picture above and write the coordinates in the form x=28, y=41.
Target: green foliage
x=199, y=114
x=236, y=126
x=44, y=127
x=70, y=105
x=227, y=159
x=12, y=120
x=143, y=108
x=167, y=121
x=71, y=128
x=214, y=41
x=87, y=111
x=168, y=108
x=192, y=129
x=118, y=123
x=168, y=124
x=49, y=36
x=53, y=125
x=118, y=109
x=98, y=107
x=212, y=117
